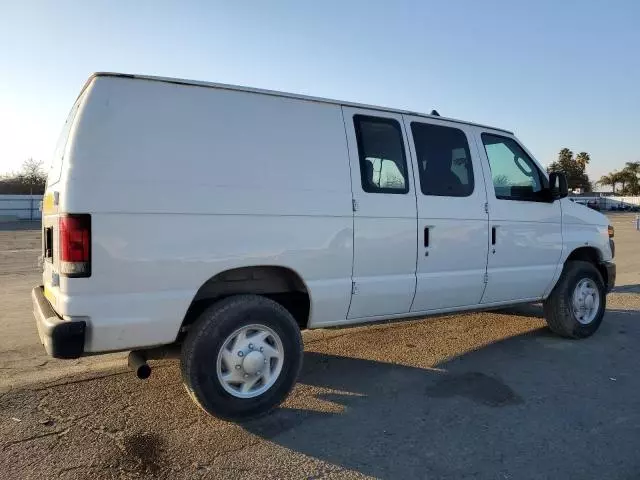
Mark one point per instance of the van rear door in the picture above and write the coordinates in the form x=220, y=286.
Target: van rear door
x=50, y=276
x=55, y=189
x=384, y=263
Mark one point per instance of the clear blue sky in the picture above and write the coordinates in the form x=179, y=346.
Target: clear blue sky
x=558, y=73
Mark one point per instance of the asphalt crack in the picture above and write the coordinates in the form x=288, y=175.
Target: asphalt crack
x=82, y=380
x=33, y=437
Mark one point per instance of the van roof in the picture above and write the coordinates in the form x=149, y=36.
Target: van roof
x=223, y=86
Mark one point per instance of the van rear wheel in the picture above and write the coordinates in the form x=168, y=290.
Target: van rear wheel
x=242, y=356
x=576, y=305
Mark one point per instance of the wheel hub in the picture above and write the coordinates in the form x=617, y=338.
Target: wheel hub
x=250, y=361
x=253, y=362
x=586, y=301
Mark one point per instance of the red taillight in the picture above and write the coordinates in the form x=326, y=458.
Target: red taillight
x=75, y=245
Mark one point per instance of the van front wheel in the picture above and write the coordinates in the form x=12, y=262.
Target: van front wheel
x=241, y=357
x=576, y=305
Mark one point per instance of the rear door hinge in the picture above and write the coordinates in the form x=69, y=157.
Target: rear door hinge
x=486, y=278
x=486, y=207
x=354, y=204
x=354, y=288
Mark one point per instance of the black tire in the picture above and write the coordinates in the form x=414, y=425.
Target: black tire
x=558, y=307
x=207, y=336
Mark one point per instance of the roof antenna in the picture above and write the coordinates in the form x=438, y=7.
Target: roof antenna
x=435, y=113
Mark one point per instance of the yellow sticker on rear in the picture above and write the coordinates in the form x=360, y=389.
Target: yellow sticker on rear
x=48, y=204
x=49, y=296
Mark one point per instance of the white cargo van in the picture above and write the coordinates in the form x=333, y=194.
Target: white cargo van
x=220, y=221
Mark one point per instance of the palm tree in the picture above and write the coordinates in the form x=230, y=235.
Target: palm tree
x=583, y=159
x=608, y=180
x=624, y=178
x=632, y=169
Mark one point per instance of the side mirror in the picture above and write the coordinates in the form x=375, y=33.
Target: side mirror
x=558, y=185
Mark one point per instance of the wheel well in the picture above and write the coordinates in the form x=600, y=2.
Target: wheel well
x=280, y=284
x=586, y=254
x=591, y=255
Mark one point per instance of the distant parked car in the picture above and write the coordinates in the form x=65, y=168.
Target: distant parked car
x=593, y=204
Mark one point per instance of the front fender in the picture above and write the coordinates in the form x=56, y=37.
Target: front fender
x=583, y=228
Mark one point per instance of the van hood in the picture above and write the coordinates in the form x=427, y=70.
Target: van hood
x=576, y=213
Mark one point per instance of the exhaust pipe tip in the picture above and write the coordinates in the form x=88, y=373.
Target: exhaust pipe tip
x=138, y=363
x=143, y=372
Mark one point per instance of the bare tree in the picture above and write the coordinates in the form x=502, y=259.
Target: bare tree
x=32, y=175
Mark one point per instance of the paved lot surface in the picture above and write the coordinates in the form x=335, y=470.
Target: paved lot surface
x=487, y=395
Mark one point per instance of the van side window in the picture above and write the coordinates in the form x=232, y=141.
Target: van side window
x=383, y=166
x=515, y=175
x=444, y=160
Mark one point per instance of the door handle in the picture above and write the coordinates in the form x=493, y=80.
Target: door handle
x=493, y=235
x=426, y=236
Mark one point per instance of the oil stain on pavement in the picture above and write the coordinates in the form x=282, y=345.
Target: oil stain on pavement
x=475, y=386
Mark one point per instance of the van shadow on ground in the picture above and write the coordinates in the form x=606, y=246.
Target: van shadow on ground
x=530, y=406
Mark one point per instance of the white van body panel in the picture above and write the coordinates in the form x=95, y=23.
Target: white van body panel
x=528, y=244
x=451, y=270
x=187, y=180
x=384, y=264
x=158, y=274
x=581, y=227
x=179, y=193
x=57, y=179
x=584, y=227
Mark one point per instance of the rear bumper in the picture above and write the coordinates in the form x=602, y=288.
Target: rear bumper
x=610, y=268
x=61, y=338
